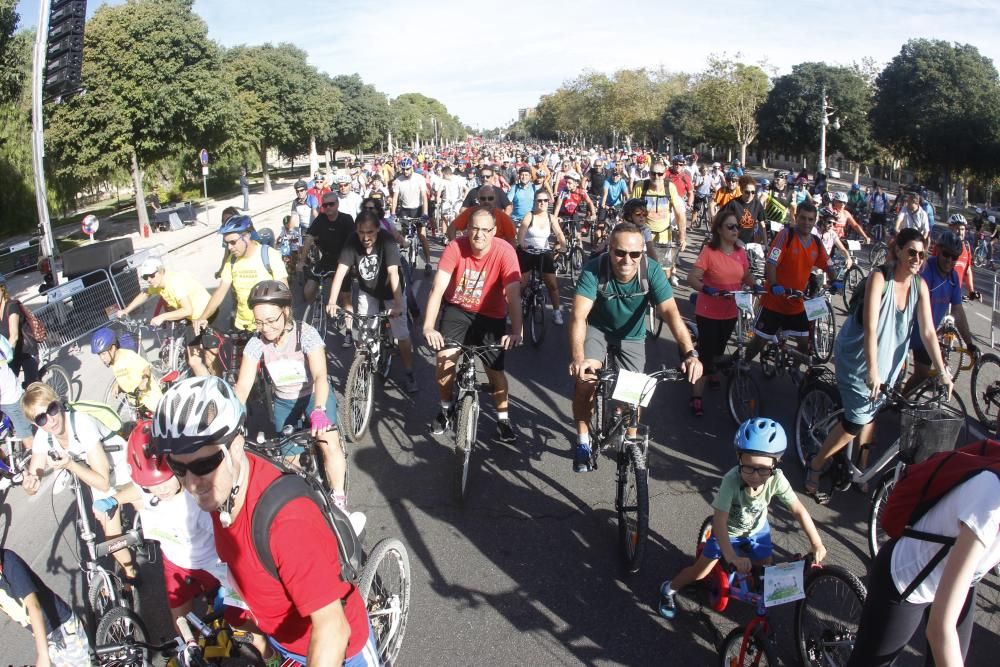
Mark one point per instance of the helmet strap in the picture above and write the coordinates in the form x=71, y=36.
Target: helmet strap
x=226, y=509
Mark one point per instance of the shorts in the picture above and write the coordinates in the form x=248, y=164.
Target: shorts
x=920, y=355
x=630, y=354
x=22, y=427
x=184, y=585
x=68, y=644
x=369, y=305
x=712, y=338
x=368, y=656
x=409, y=213
x=769, y=321
x=292, y=411
x=529, y=261
x=475, y=329
x=758, y=545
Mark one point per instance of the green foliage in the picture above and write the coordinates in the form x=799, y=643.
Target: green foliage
x=730, y=93
x=12, y=75
x=364, y=116
x=17, y=196
x=410, y=116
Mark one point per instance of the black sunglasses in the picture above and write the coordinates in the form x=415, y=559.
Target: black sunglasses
x=198, y=467
x=749, y=192
x=622, y=254
x=761, y=471
x=914, y=254
x=42, y=418
x=328, y=204
x=147, y=276
x=948, y=255
x=659, y=173
x=731, y=227
x=487, y=199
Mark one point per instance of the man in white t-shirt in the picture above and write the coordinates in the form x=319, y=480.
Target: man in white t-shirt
x=409, y=199
x=350, y=201
x=912, y=216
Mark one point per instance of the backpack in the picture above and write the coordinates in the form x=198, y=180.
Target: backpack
x=604, y=274
x=102, y=412
x=31, y=326
x=923, y=484
x=857, y=307
x=264, y=257
x=6, y=351
x=285, y=488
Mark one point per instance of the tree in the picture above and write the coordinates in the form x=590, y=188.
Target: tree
x=17, y=206
x=733, y=92
x=939, y=105
x=152, y=82
x=11, y=65
x=790, y=117
x=411, y=118
x=684, y=119
x=364, y=116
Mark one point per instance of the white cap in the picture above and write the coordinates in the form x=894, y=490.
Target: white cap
x=572, y=174
x=343, y=179
x=150, y=266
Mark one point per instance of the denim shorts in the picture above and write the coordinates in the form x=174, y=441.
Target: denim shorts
x=293, y=411
x=367, y=657
x=22, y=427
x=758, y=545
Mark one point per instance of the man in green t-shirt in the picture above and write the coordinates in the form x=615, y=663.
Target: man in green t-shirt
x=609, y=313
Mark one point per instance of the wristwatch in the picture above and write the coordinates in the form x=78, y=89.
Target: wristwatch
x=690, y=354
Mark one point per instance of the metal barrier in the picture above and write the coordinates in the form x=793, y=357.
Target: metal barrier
x=20, y=256
x=76, y=308
x=125, y=272
x=995, y=314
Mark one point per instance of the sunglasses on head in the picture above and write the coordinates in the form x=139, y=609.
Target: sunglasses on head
x=42, y=418
x=198, y=467
x=622, y=254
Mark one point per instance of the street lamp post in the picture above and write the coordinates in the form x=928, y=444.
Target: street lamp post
x=825, y=114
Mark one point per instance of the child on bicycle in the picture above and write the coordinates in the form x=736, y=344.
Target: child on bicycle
x=740, y=520
x=133, y=374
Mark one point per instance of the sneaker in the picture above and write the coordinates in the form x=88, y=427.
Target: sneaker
x=505, y=432
x=441, y=423
x=428, y=270
x=557, y=317
x=358, y=521
x=348, y=340
x=674, y=281
x=410, y=384
x=696, y=406
x=668, y=607
x=581, y=459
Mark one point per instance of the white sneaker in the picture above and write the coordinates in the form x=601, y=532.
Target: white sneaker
x=557, y=317
x=674, y=281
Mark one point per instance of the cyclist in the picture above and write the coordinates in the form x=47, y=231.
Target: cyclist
x=489, y=197
x=133, y=373
x=702, y=192
x=245, y=269
x=534, y=251
x=450, y=194
x=11, y=392
x=522, y=195
x=12, y=327
x=289, y=242
x=350, y=201
x=844, y=219
x=374, y=257
x=945, y=290
x=409, y=199
x=878, y=203
x=71, y=440
x=927, y=208
x=911, y=216
x=750, y=212
x=609, y=310
x=963, y=265
x=681, y=178
x=871, y=347
x=824, y=230
x=729, y=191
x=779, y=202
x=739, y=522
x=575, y=202
x=305, y=206
x=478, y=283
x=318, y=186
x=735, y=170
x=329, y=233
x=613, y=196
x=595, y=178
x=487, y=176
x=664, y=209
x=311, y=614
x=186, y=298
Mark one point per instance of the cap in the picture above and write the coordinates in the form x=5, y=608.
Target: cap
x=150, y=266
x=343, y=179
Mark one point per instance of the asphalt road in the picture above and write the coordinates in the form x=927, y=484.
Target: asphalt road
x=527, y=571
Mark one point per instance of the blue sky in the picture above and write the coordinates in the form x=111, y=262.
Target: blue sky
x=484, y=62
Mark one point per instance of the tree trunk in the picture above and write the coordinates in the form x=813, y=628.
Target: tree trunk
x=743, y=155
x=140, y=197
x=857, y=172
x=945, y=186
x=329, y=160
x=264, y=168
x=313, y=155
x=391, y=150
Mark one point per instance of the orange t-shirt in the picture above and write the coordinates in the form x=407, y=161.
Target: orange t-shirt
x=724, y=196
x=505, y=226
x=794, y=262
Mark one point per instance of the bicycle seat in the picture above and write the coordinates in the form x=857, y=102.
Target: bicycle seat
x=170, y=377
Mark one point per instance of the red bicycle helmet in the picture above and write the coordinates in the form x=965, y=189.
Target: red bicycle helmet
x=145, y=470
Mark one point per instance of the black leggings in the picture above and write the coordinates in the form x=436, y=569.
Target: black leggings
x=888, y=622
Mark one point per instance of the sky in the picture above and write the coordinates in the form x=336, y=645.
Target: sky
x=484, y=61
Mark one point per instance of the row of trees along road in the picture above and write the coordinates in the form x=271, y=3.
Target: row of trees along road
x=935, y=105
x=158, y=89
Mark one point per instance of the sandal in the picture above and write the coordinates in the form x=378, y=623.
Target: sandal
x=696, y=407
x=813, y=477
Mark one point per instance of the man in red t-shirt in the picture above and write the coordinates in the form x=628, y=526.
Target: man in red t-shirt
x=681, y=179
x=963, y=265
x=309, y=610
x=478, y=283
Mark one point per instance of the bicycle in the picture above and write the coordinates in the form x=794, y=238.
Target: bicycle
x=229, y=346
x=824, y=636
x=533, y=303
x=985, y=388
x=570, y=262
x=620, y=429
x=170, y=355
x=956, y=359
x=376, y=347
x=409, y=227
x=850, y=277
x=55, y=375
x=315, y=313
x=742, y=392
x=981, y=255
x=779, y=357
x=13, y=456
x=700, y=214
x=878, y=251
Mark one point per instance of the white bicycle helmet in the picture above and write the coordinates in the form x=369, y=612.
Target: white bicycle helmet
x=839, y=196
x=957, y=219
x=196, y=412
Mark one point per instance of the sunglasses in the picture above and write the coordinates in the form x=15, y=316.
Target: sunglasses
x=299, y=191
x=542, y=201
x=749, y=192
x=622, y=254
x=948, y=255
x=329, y=204
x=147, y=276
x=481, y=230
x=919, y=254
x=761, y=471
x=199, y=467
x=233, y=242
x=659, y=173
x=369, y=208
x=731, y=228
x=487, y=199
x=42, y=418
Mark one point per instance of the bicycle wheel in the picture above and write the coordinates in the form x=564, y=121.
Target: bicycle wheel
x=575, y=262
x=535, y=317
x=654, y=323
x=986, y=391
x=817, y=413
x=823, y=333
x=954, y=359
x=359, y=398
x=757, y=652
x=632, y=503
x=877, y=254
x=979, y=258
x=120, y=404
x=56, y=377
x=315, y=316
x=742, y=395
x=876, y=536
x=385, y=588
x=121, y=627
x=101, y=595
x=465, y=438
x=716, y=584
x=852, y=278
x=826, y=621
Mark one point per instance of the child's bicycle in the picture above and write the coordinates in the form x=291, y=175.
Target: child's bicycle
x=826, y=619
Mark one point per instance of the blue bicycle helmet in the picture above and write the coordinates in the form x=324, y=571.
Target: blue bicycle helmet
x=761, y=436
x=102, y=339
x=236, y=225
x=406, y=163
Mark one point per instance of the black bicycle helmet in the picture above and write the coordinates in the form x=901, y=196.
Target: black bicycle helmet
x=949, y=242
x=270, y=291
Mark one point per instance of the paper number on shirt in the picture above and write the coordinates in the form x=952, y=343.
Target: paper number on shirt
x=775, y=254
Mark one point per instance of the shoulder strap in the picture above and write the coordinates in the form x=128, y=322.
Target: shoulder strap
x=266, y=259
x=603, y=272
x=645, y=188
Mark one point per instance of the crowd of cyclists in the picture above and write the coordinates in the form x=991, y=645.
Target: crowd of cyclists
x=501, y=211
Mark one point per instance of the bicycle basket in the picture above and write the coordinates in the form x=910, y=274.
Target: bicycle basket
x=928, y=430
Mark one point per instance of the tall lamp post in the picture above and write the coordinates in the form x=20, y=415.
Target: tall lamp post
x=826, y=112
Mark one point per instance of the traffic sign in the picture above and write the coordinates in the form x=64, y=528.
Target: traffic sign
x=203, y=156
x=89, y=225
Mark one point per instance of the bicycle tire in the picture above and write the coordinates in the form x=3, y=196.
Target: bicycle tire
x=759, y=651
x=852, y=278
x=101, y=595
x=359, y=397
x=467, y=425
x=534, y=315
x=315, y=316
x=575, y=262
x=829, y=638
x=979, y=258
x=876, y=536
x=948, y=341
x=120, y=404
x=877, y=254
x=823, y=333
x=654, y=323
x=56, y=377
x=813, y=419
x=985, y=386
x=632, y=505
x=743, y=396
x=121, y=627
x=716, y=584
x=386, y=592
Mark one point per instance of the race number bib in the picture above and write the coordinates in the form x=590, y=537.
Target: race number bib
x=775, y=254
